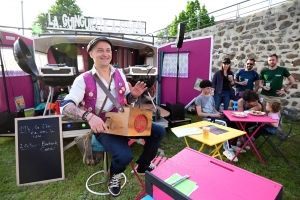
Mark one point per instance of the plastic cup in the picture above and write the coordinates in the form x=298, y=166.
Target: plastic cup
x=206, y=131
x=246, y=80
x=268, y=84
x=229, y=76
x=261, y=100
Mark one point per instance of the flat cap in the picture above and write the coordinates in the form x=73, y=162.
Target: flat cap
x=94, y=41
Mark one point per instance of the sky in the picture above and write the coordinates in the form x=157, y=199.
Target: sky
x=157, y=13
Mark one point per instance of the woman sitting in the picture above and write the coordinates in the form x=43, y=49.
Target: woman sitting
x=250, y=101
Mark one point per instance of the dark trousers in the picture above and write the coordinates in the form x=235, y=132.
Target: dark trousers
x=121, y=153
x=223, y=97
x=261, y=131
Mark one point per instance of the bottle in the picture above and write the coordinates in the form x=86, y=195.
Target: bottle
x=221, y=108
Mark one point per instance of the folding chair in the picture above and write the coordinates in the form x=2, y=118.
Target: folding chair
x=209, y=119
x=290, y=117
x=156, y=161
x=235, y=105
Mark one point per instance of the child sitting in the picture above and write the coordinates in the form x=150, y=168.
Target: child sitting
x=205, y=106
x=270, y=128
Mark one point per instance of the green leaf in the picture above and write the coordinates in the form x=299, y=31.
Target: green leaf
x=36, y=30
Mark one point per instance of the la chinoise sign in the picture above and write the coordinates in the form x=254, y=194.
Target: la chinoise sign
x=77, y=22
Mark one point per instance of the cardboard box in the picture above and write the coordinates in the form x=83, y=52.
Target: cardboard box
x=132, y=122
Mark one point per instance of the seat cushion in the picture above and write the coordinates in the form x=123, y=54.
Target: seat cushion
x=96, y=145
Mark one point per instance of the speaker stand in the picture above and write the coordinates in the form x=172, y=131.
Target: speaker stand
x=151, y=100
x=49, y=99
x=177, y=73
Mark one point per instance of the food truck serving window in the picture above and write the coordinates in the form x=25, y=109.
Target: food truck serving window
x=11, y=67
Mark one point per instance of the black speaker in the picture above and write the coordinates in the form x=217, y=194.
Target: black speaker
x=7, y=122
x=176, y=111
x=180, y=35
x=21, y=113
x=75, y=125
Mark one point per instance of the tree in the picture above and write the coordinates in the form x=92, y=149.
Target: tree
x=195, y=17
x=68, y=7
x=181, y=18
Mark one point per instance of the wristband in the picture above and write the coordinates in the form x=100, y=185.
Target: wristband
x=133, y=96
x=90, y=119
x=132, y=99
x=85, y=114
x=285, y=90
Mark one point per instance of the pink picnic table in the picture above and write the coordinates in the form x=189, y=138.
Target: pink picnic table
x=216, y=179
x=241, y=123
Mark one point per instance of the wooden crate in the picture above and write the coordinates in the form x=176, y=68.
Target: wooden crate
x=132, y=122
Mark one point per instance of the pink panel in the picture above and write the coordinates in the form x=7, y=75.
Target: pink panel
x=16, y=86
x=199, y=67
x=50, y=56
x=9, y=38
x=19, y=85
x=85, y=55
x=114, y=56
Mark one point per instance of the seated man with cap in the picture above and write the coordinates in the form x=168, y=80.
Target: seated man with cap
x=87, y=93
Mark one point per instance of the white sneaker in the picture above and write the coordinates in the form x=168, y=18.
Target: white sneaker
x=239, y=142
x=230, y=155
x=247, y=147
x=236, y=149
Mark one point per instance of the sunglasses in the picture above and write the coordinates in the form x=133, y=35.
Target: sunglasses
x=249, y=64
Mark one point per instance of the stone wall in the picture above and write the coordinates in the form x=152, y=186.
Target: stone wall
x=275, y=30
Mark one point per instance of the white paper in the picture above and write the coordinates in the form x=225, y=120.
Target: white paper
x=181, y=132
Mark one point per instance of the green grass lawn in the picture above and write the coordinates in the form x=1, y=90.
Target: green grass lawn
x=76, y=173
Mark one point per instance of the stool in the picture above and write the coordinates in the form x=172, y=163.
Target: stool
x=98, y=147
x=97, y=178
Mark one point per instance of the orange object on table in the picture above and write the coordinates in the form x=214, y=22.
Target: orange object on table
x=55, y=107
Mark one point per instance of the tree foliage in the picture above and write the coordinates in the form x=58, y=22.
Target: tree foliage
x=60, y=7
x=195, y=17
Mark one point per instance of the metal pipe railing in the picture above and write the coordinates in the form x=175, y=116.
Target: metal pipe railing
x=226, y=14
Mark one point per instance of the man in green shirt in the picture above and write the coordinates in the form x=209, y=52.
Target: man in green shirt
x=271, y=79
